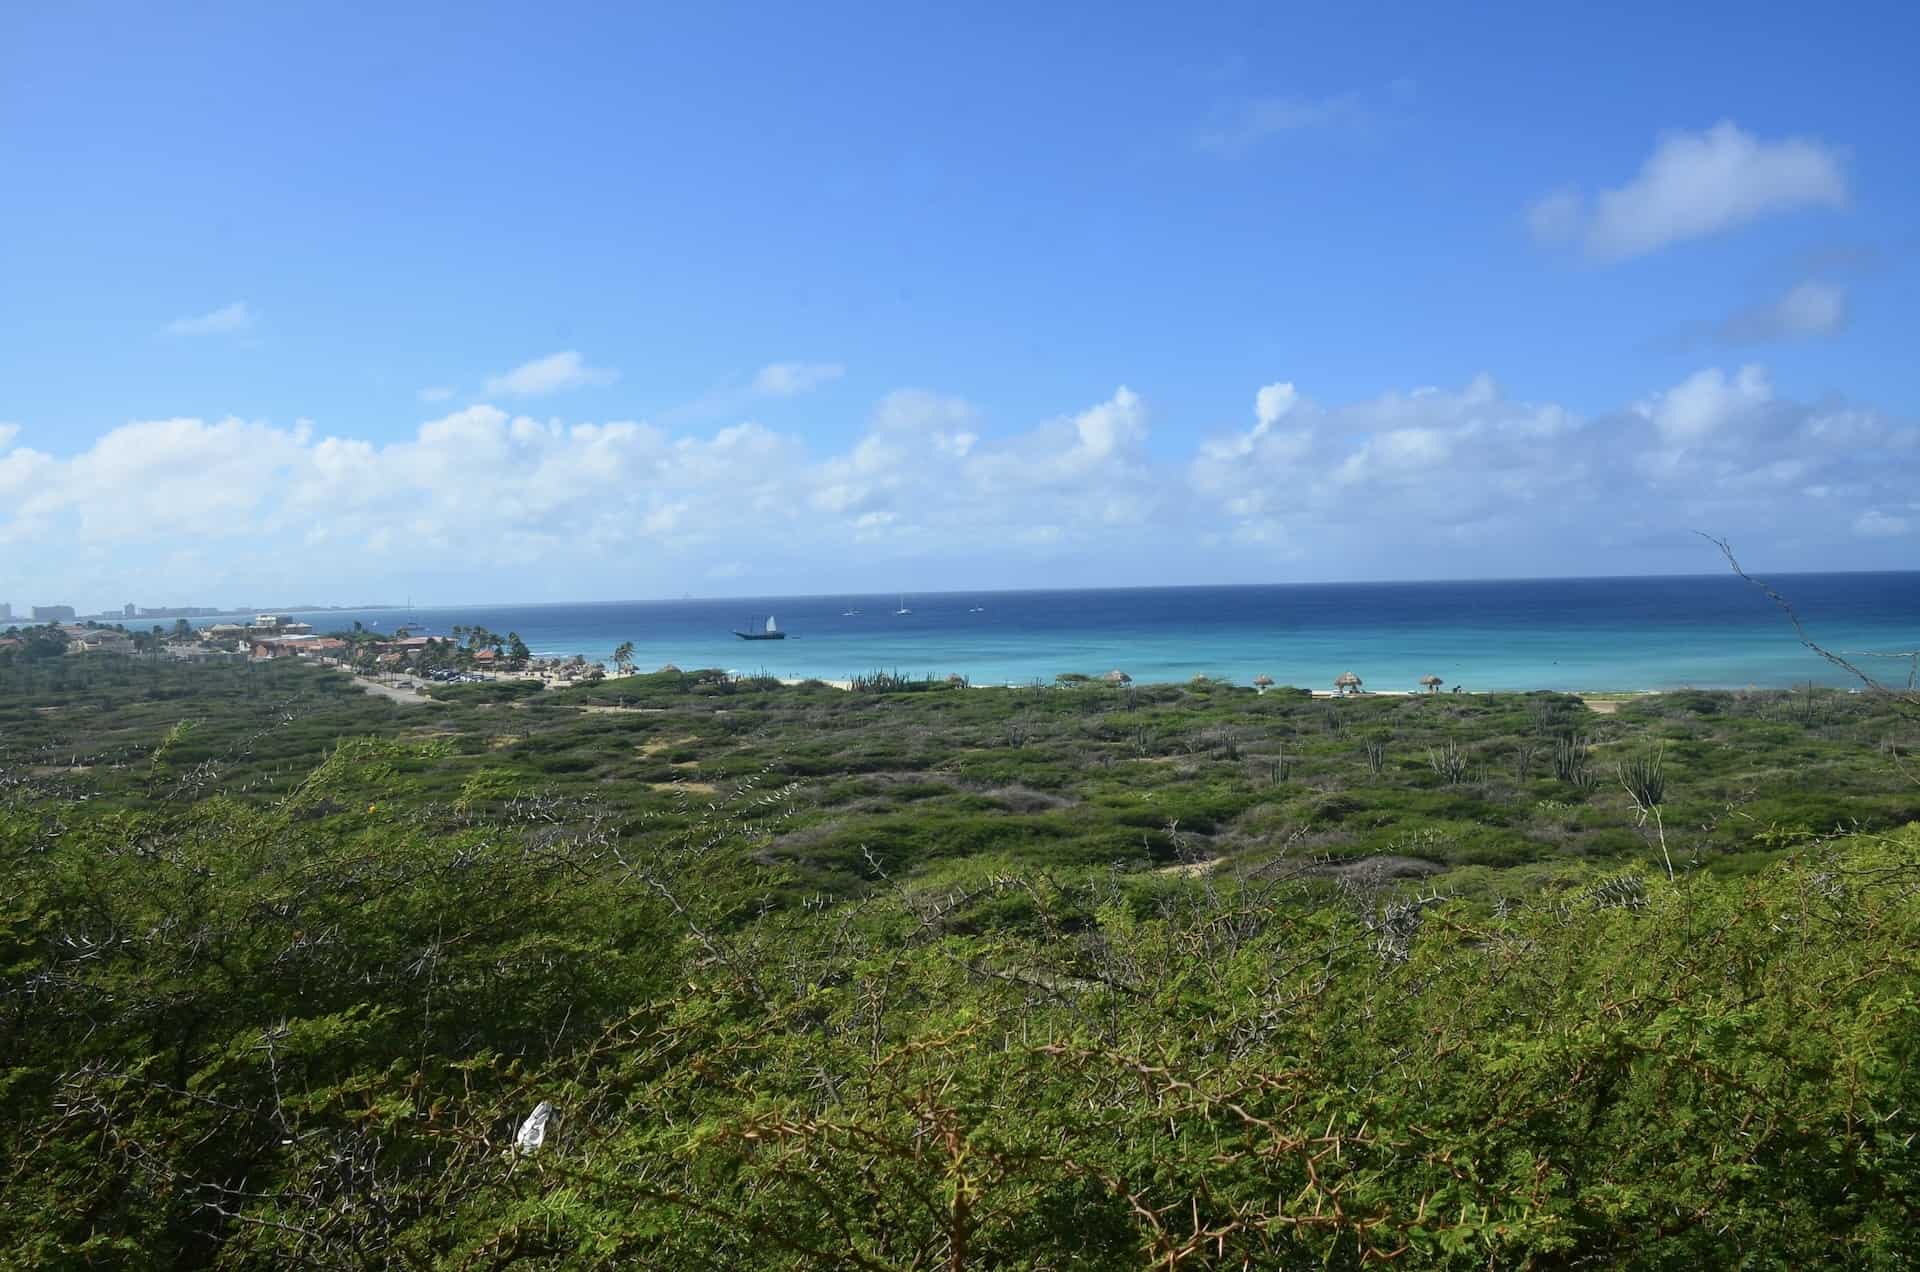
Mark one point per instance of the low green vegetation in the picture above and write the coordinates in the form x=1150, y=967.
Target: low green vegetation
x=919, y=975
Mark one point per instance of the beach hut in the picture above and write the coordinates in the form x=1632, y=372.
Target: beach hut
x=1431, y=683
x=670, y=667
x=1118, y=677
x=1346, y=682
x=1263, y=682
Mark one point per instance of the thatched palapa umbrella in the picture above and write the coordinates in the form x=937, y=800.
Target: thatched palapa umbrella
x=1263, y=682
x=1118, y=677
x=670, y=667
x=1346, y=682
x=1432, y=683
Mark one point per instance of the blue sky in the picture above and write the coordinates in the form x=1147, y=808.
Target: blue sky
x=569, y=303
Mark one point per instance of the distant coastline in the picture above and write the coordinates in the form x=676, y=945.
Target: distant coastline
x=1586, y=636
x=163, y=613
x=789, y=600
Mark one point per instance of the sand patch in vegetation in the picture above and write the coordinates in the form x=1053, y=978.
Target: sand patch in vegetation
x=653, y=746
x=1191, y=869
x=690, y=788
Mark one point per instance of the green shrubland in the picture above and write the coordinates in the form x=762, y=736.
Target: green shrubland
x=1058, y=977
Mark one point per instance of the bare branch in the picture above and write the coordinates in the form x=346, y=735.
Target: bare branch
x=1905, y=699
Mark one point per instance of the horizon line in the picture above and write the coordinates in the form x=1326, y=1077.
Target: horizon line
x=1016, y=591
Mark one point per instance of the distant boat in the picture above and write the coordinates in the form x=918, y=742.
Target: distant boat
x=849, y=613
x=978, y=609
x=770, y=632
x=903, y=606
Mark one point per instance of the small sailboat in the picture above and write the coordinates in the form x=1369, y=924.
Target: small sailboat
x=903, y=606
x=770, y=632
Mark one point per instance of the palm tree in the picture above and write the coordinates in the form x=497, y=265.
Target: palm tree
x=623, y=658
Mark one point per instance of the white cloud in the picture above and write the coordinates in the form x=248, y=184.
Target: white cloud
x=1812, y=308
x=21, y=470
x=1433, y=481
x=1694, y=184
x=435, y=393
x=1272, y=402
x=552, y=374
x=1118, y=422
x=1084, y=455
x=227, y=318
x=1398, y=454
x=152, y=479
x=1705, y=403
x=785, y=379
x=1857, y=429
x=1874, y=524
x=1419, y=465
x=1415, y=447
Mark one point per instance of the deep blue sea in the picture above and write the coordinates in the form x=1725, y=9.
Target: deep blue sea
x=1709, y=631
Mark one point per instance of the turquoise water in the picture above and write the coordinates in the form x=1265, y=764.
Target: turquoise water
x=1711, y=631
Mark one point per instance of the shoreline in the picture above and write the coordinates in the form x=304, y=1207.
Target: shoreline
x=1611, y=697
x=1578, y=637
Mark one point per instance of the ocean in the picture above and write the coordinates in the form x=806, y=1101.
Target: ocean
x=1707, y=631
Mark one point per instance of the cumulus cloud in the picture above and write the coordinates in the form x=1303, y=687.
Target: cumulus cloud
x=20, y=470
x=1103, y=430
x=1096, y=451
x=1693, y=185
x=554, y=373
x=1706, y=403
x=1456, y=463
x=227, y=318
x=785, y=379
x=150, y=480
x=1272, y=402
x=1431, y=481
x=1415, y=480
